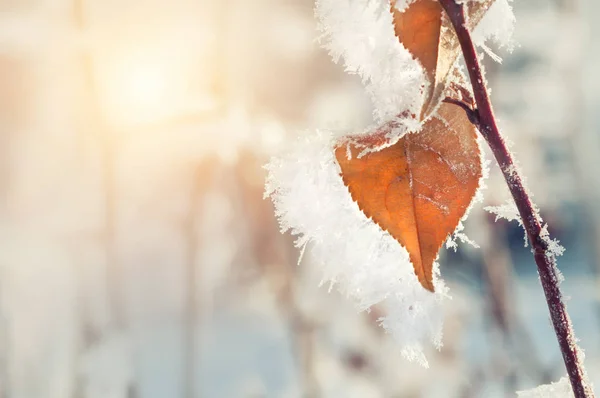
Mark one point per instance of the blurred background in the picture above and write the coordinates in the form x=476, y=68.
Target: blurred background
x=139, y=260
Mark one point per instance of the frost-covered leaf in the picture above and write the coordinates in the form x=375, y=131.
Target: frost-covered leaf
x=426, y=32
x=353, y=253
x=418, y=188
x=360, y=34
x=418, y=28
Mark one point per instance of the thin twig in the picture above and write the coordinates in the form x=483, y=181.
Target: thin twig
x=544, y=258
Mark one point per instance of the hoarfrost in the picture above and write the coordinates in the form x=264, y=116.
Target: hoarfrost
x=498, y=25
x=361, y=34
x=559, y=389
x=402, y=5
x=508, y=211
x=355, y=255
x=554, y=247
x=458, y=234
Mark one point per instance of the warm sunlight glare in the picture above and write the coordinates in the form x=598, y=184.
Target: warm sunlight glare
x=145, y=87
x=154, y=70
x=141, y=89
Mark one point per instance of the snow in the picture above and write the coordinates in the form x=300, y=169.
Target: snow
x=559, y=389
x=355, y=255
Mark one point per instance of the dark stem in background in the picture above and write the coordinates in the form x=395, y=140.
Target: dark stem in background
x=544, y=258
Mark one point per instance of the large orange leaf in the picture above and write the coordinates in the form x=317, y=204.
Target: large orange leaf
x=419, y=188
x=424, y=30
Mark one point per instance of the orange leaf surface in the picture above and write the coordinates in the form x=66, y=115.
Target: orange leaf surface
x=419, y=188
x=419, y=28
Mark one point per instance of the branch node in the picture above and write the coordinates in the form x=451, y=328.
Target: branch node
x=472, y=113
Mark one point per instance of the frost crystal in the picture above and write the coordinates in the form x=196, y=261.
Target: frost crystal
x=402, y=5
x=498, y=25
x=458, y=234
x=364, y=262
x=554, y=247
x=508, y=211
x=560, y=389
x=358, y=257
x=361, y=33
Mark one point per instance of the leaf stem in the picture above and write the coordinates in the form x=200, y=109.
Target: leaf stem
x=544, y=258
x=471, y=113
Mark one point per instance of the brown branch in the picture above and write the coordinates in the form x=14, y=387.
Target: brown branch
x=544, y=258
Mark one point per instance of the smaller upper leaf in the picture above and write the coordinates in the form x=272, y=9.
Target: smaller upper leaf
x=425, y=30
x=418, y=28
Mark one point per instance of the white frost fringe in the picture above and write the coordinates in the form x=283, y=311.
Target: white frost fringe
x=311, y=200
x=355, y=254
x=361, y=33
x=560, y=389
